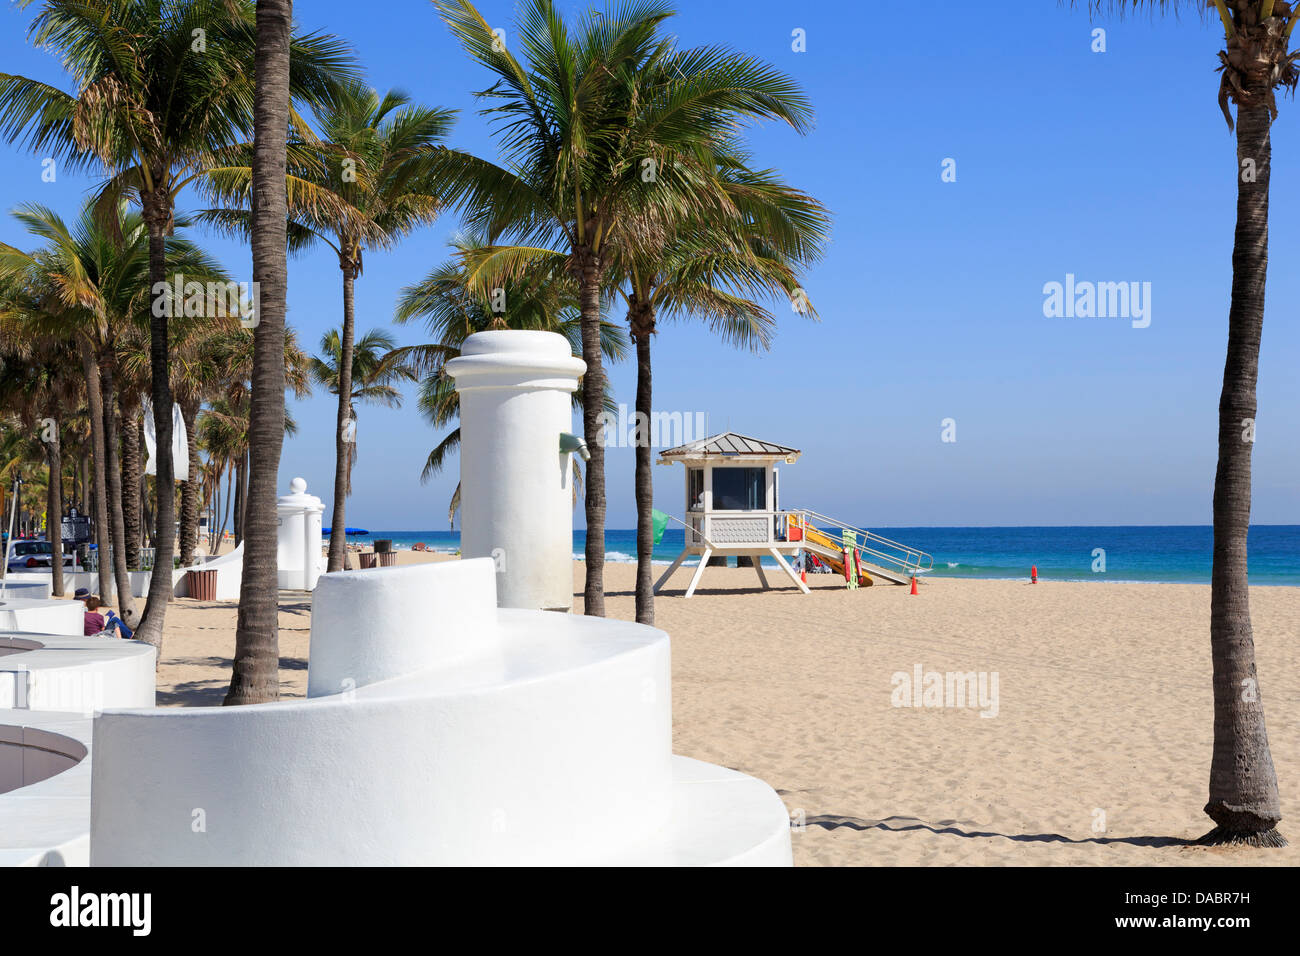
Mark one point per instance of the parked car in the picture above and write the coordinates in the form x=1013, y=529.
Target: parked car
x=31, y=555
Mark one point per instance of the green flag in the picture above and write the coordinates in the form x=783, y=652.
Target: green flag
x=660, y=521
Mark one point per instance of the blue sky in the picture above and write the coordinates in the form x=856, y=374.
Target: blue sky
x=1113, y=166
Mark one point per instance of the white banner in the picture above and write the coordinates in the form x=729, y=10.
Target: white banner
x=180, y=443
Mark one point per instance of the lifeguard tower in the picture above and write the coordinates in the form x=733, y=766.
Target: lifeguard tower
x=733, y=507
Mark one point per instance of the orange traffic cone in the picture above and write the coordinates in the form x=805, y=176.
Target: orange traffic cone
x=1033, y=574
x=803, y=575
x=914, y=584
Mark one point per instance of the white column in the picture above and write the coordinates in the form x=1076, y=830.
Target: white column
x=516, y=486
x=298, y=538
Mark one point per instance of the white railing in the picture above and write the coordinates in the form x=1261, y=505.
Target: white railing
x=146, y=559
x=876, y=549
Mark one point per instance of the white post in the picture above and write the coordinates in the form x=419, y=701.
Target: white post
x=298, y=538
x=516, y=485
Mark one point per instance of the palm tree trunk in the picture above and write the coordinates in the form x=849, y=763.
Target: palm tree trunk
x=117, y=534
x=342, y=458
x=158, y=216
x=1243, y=784
x=132, y=472
x=54, y=508
x=190, y=490
x=593, y=398
x=99, y=499
x=256, y=676
x=642, y=323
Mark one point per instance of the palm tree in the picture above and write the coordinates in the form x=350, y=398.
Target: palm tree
x=363, y=183
x=452, y=311
x=375, y=367
x=709, y=268
x=1243, y=800
x=162, y=88
x=588, y=132
x=256, y=674
x=89, y=283
x=40, y=386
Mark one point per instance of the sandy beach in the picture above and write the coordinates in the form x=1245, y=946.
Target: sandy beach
x=1095, y=750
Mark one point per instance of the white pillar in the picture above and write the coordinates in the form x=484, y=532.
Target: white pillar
x=298, y=538
x=516, y=486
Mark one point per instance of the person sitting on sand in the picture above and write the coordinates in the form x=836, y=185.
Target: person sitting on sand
x=105, y=623
x=94, y=621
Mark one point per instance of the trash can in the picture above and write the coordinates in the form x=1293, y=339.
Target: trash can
x=202, y=585
x=383, y=545
x=367, y=559
x=387, y=559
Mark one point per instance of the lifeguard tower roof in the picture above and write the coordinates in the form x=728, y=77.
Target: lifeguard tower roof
x=730, y=445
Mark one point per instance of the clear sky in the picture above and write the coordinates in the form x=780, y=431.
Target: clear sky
x=1112, y=166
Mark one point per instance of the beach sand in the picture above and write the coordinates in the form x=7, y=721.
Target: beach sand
x=1098, y=754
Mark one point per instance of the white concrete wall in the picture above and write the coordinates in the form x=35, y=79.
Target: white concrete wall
x=54, y=616
x=512, y=737
x=413, y=621
x=81, y=675
x=516, y=487
x=39, y=590
x=46, y=820
x=90, y=581
x=230, y=575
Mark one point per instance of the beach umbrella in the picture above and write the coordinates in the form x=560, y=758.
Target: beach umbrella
x=347, y=531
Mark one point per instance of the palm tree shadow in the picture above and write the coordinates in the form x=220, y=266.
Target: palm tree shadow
x=896, y=824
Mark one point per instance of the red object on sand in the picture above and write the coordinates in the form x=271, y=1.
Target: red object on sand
x=914, y=591
x=1033, y=574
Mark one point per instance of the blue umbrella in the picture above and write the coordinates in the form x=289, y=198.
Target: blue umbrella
x=346, y=531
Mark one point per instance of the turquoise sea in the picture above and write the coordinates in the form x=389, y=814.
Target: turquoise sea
x=1131, y=553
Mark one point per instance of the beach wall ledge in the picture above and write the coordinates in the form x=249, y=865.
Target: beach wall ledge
x=455, y=734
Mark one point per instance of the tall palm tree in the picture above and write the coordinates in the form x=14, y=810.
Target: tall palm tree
x=375, y=369
x=256, y=674
x=452, y=310
x=361, y=183
x=90, y=286
x=1243, y=799
x=40, y=384
x=162, y=88
x=711, y=267
x=587, y=132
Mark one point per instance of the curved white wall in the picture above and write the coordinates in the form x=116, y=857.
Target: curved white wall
x=553, y=748
x=39, y=589
x=81, y=675
x=53, y=616
x=366, y=625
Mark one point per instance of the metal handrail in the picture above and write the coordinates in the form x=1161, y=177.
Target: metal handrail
x=912, y=559
x=693, y=530
x=147, y=558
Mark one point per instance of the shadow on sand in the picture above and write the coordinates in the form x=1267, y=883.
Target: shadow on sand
x=211, y=692
x=830, y=821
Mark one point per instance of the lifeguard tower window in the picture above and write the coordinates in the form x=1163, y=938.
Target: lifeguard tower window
x=739, y=489
x=695, y=489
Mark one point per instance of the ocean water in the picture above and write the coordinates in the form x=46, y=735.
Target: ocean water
x=1132, y=553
